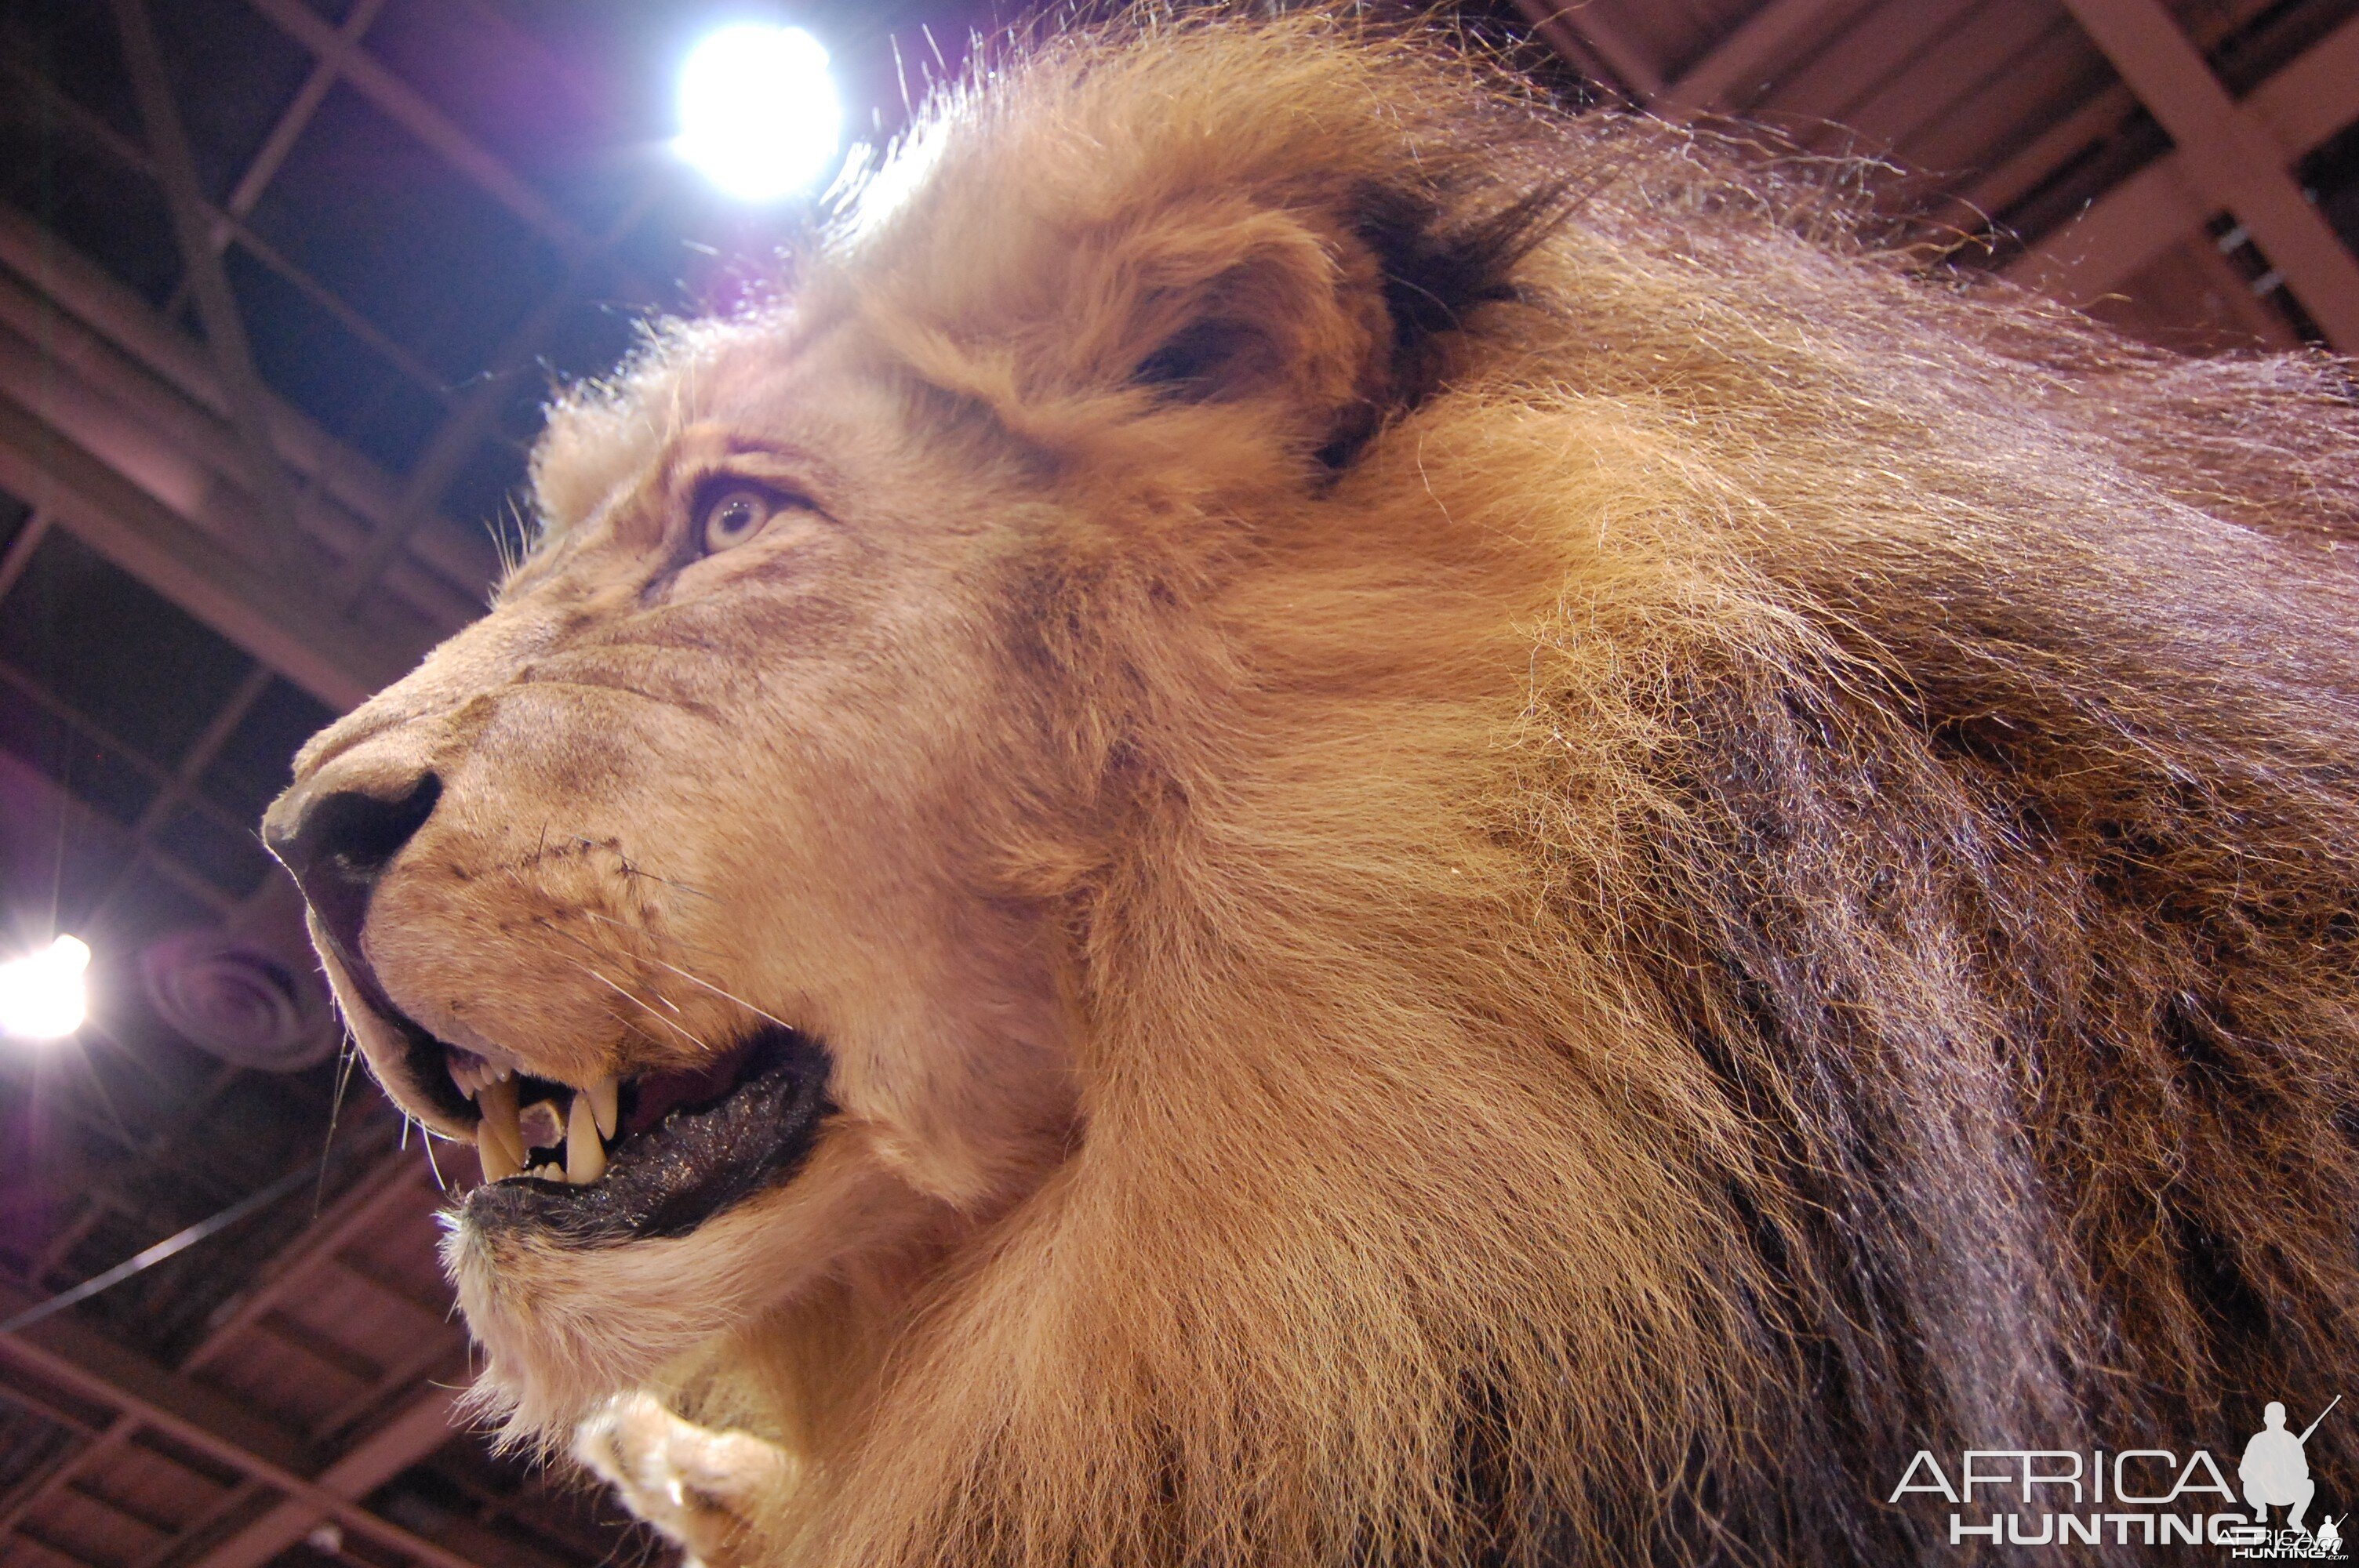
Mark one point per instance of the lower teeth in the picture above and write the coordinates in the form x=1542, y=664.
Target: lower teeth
x=505, y=1137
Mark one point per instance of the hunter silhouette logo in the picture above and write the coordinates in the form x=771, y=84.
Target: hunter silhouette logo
x=2137, y=1497
x=2276, y=1472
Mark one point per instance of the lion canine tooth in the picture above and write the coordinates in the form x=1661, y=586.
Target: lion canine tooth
x=605, y=1103
x=585, y=1156
x=499, y=1164
x=497, y=1104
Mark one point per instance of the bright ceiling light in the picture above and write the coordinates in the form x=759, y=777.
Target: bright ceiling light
x=42, y=995
x=758, y=113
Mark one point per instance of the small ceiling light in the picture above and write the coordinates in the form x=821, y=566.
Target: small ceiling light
x=41, y=995
x=758, y=113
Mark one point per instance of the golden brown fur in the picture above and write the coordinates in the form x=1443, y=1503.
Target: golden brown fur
x=1511, y=855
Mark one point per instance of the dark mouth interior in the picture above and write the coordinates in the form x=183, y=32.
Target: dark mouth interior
x=687, y=1144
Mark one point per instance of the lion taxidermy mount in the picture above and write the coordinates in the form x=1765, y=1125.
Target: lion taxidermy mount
x=1319, y=817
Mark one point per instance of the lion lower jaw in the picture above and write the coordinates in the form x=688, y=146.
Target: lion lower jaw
x=564, y=1326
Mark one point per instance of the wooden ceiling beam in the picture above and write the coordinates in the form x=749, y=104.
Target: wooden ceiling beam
x=2232, y=156
x=1631, y=63
x=1735, y=70
x=435, y=1354
x=138, y=838
x=2315, y=96
x=423, y=1425
x=115, y=514
x=409, y=108
x=2134, y=223
x=112, y=426
x=119, y=349
x=224, y=224
x=477, y=417
x=2036, y=161
x=42, y=1543
x=264, y=166
x=309, y=1492
x=391, y=1183
x=267, y=482
x=1553, y=25
x=1724, y=78
x=61, y=1474
x=63, y=1355
x=238, y=1501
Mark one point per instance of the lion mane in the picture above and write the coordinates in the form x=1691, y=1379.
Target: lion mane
x=1685, y=853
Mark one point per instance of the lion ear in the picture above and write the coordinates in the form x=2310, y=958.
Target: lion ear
x=1440, y=267
x=1332, y=321
x=1221, y=304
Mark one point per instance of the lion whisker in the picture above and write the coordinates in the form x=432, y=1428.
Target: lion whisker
x=598, y=975
x=639, y=931
x=724, y=994
x=693, y=977
x=678, y=1029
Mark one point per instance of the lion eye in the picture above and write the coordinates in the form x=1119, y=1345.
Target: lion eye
x=734, y=517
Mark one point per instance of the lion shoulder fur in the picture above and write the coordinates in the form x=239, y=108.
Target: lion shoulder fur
x=1697, y=855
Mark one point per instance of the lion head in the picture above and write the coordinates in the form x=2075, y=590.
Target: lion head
x=1315, y=816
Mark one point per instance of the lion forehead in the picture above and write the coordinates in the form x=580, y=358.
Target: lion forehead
x=603, y=436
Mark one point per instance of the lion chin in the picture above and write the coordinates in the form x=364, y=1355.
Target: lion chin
x=1314, y=817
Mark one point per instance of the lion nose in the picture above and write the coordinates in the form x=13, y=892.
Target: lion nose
x=339, y=843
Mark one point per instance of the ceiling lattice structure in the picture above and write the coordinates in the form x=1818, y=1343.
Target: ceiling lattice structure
x=283, y=284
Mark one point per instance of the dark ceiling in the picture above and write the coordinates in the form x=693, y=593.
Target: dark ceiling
x=422, y=214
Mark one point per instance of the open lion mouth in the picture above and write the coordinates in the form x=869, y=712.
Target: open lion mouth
x=652, y=1156
x=623, y=1159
